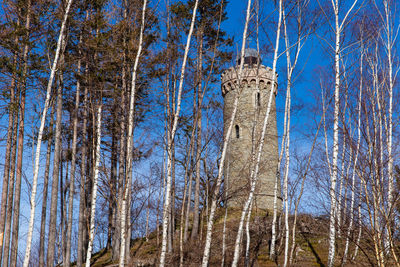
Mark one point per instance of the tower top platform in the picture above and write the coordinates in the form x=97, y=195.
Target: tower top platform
x=250, y=74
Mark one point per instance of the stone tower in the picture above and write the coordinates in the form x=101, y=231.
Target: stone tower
x=246, y=133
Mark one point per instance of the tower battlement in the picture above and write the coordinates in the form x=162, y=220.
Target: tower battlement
x=229, y=78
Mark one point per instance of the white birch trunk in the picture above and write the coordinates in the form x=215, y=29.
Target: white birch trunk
x=210, y=223
x=275, y=205
x=390, y=42
x=125, y=200
x=254, y=172
x=286, y=176
x=290, y=69
x=357, y=244
x=224, y=238
x=332, y=192
x=172, y=137
x=353, y=184
x=338, y=207
x=40, y=136
x=372, y=189
x=391, y=85
x=247, y=255
x=94, y=189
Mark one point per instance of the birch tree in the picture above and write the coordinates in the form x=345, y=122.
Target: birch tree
x=95, y=184
x=40, y=134
x=290, y=67
x=353, y=185
x=125, y=201
x=172, y=137
x=389, y=36
x=210, y=223
x=254, y=172
x=45, y=187
x=337, y=29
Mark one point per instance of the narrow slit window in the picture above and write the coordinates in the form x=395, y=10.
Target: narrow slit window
x=237, y=131
x=258, y=100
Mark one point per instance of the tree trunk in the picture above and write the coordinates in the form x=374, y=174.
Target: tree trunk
x=61, y=231
x=172, y=137
x=5, y=194
x=113, y=179
x=198, y=143
x=128, y=222
x=121, y=172
x=390, y=42
x=224, y=237
x=94, y=188
x=73, y=170
x=10, y=197
x=353, y=185
x=122, y=153
x=125, y=200
x=14, y=242
x=45, y=190
x=37, y=155
x=247, y=252
x=55, y=177
x=332, y=192
x=210, y=223
x=290, y=69
x=82, y=195
x=254, y=171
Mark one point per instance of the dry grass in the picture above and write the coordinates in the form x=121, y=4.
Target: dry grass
x=311, y=245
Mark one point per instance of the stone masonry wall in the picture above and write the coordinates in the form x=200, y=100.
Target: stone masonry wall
x=249, y=119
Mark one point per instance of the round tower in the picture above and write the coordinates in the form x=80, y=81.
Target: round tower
x=254, y=91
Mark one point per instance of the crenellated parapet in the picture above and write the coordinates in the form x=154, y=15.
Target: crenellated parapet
x=229, y=78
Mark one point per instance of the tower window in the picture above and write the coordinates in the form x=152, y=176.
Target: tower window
x=237, y=131
x=258, y=100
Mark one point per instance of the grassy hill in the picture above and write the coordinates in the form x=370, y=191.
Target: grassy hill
x=311, y=246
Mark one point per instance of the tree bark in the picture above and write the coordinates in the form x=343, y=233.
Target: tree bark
x=121, y=171
x=210, y=223
x=172, y=137
x=5, y=194
x=198, y=143
x=353, y=185
x=10, y=197
x=37, y=155
x=254, y=172
x=14, y=242
x=332, y=192
x=94, y=188
x=122, y=153
x=45, y=190
x=73, y=171
x=112, y=182
x=125, y=200
x=55, y=177
x=82, y=195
